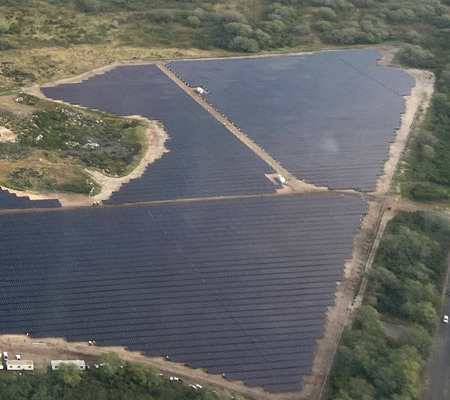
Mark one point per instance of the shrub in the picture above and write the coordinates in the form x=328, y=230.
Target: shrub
x=283, y=11
x=238, y=29
x=345, y=36
x=5, y=44
x=3, y=26
x=14, y=28
x=273, y=17
x=273, y=27
x=325, y=13
x=263, y=38
x=231, y=16
x=322, y=26
x=442, y=22
x=193, y=21
x=375, y=29
x=88, y=6
x=244, y=44
x=163, y=17
x=415, y=56
x=424, y=11
x=428, y=192
x=334, y=4
x=413, y=37
x=444, y=79
x=301, y=29
x=363, y=3
x=401, y=15
x=199, y=13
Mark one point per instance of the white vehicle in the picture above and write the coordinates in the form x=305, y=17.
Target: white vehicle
x=445, y=319
x=18, y=357
x=5, y=356
x=175, y=378
x=199, y=386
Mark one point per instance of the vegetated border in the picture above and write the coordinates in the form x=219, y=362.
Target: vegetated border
x=424, y=238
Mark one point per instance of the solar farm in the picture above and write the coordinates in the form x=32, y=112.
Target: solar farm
x=206, y=259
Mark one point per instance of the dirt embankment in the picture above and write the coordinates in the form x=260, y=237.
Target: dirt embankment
x=417, y=104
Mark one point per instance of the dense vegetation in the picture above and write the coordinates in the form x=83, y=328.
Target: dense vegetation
x=118, y=380
x=405, y=285
x=54, y=143
x=426, y=174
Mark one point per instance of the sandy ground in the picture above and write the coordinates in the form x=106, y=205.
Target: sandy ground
x=6, y=135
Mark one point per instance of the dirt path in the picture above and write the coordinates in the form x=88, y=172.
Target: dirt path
x=417, y=104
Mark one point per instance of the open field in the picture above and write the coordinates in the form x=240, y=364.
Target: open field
x=259, y=227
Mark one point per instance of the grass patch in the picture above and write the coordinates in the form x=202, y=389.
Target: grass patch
x=55, y=143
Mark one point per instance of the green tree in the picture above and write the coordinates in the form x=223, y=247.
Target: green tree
x=70, y=374
x=193, y=21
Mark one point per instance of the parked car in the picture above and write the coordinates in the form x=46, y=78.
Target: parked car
x=445, y=319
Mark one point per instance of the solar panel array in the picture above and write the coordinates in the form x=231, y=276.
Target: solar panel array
x=12, y=201
x=205, y=159
x=236, y=287
x=327, y=117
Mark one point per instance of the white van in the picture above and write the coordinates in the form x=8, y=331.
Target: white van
x=5, y=356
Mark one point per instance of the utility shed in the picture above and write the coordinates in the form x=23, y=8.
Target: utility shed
x=20, y=365
x=78, y=363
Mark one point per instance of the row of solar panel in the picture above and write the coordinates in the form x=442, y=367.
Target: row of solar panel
x=330, y=129
x=11, y=201
x=236, y=287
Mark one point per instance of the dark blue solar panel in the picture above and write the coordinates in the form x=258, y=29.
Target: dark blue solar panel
x=328, y=117
x=205, y=159
x=238, y=287
x=11, y=201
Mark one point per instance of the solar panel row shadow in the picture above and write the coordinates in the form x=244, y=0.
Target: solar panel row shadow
x=328, y=117
x=237, y=287
x=11, y=201
x=205, y=159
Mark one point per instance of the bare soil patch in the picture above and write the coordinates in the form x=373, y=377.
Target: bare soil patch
x=6, y=135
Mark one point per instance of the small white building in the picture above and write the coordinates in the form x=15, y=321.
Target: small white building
x=80, y=364
x=20, y=365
